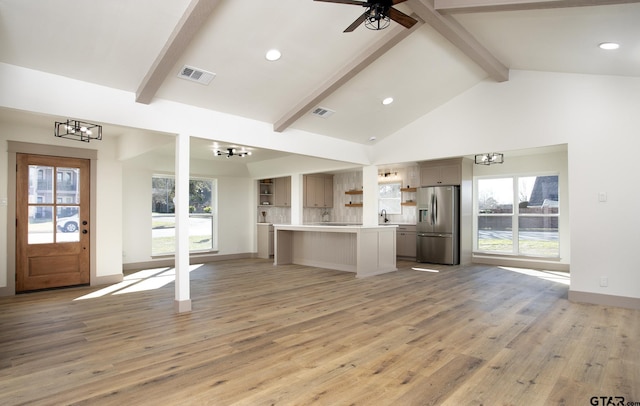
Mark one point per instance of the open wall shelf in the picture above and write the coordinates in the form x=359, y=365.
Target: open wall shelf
x=358, y=200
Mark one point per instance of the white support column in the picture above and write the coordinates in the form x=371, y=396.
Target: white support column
x=183, y=299
x=370, y=195
x=297, y=199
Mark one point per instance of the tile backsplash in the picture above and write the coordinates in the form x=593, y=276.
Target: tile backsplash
x=343, y=182
x=275, y=215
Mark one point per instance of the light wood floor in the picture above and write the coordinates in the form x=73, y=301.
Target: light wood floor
x=293, y=335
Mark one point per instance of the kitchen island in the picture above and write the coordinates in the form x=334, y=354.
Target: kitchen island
x=365, y=250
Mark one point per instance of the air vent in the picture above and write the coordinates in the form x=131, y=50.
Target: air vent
x=322, y=112
x=196, y=75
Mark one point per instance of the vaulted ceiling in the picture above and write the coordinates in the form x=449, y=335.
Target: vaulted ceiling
x=141, y=46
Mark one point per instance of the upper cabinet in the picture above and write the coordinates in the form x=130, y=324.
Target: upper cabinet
x=439, y=173
x=275, y=192
x=318, y=190
x=282, y=192
x=265, y=192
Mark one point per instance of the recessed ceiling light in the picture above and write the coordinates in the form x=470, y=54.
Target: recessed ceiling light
x=273, y=55
x=609, y=45
x=387, y=101
x=373, y=138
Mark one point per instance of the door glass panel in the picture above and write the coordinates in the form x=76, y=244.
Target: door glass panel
x=40, y=184
x=40, y=225
x=68, y=185
x=67, y=224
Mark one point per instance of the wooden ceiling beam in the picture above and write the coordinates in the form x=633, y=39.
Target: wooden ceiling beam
x=461, y=38
x=190, y=23
x=476, y=6
x=388, y=40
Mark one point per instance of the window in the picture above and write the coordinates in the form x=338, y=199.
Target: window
x=528, y=227
x=389, y=198
x=202, y=215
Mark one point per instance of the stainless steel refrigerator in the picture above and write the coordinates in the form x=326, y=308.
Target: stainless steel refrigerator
x=438, y=226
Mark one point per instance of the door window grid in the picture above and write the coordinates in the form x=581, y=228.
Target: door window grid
x=53, y=221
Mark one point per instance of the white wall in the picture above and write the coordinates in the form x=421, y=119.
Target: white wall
x=596, y=116
x=108, y=211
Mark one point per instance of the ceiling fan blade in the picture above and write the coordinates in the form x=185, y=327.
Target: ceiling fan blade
x=394, y=2
x=355, y=3
x=401, y=18
x=356, y=23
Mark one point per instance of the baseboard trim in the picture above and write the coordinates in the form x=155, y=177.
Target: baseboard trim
x=106, y=280
x=170, y=261
x=605, y=300
x=521, y=263
x=7, y=291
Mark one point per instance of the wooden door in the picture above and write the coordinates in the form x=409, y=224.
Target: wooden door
x=52, y=222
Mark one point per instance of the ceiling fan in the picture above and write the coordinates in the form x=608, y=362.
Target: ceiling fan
x=377, y=14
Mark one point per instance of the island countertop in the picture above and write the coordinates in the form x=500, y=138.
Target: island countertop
x=330, y=227
x=365, y=250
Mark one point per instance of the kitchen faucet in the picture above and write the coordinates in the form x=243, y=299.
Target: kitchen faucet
x=383, y=213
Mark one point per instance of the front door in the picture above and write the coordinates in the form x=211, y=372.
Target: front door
x=52, y=222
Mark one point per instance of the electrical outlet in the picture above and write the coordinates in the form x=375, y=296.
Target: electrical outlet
x=604, y=281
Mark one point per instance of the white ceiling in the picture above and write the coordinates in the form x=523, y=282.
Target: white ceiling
x=115, y=43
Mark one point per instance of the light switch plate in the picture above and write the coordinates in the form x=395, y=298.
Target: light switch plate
x=3, y=201
x=602, y=196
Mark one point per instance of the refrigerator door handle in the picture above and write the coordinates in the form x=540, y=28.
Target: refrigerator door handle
x=433, y=220
x=434, y=211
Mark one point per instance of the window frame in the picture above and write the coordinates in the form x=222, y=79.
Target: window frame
x=389, y=202
x=212, y=214
x=515, y=214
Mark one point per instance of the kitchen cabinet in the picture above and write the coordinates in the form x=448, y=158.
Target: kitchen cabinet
x=265, y=240
x=318, y=190
x=282, y=192
x=275, y=192
x=265, y=192
x=406, y=241
x=439, y=173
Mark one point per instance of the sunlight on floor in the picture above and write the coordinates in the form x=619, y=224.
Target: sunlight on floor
x=425, y=270
x=553, y=276
x=146, y=279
